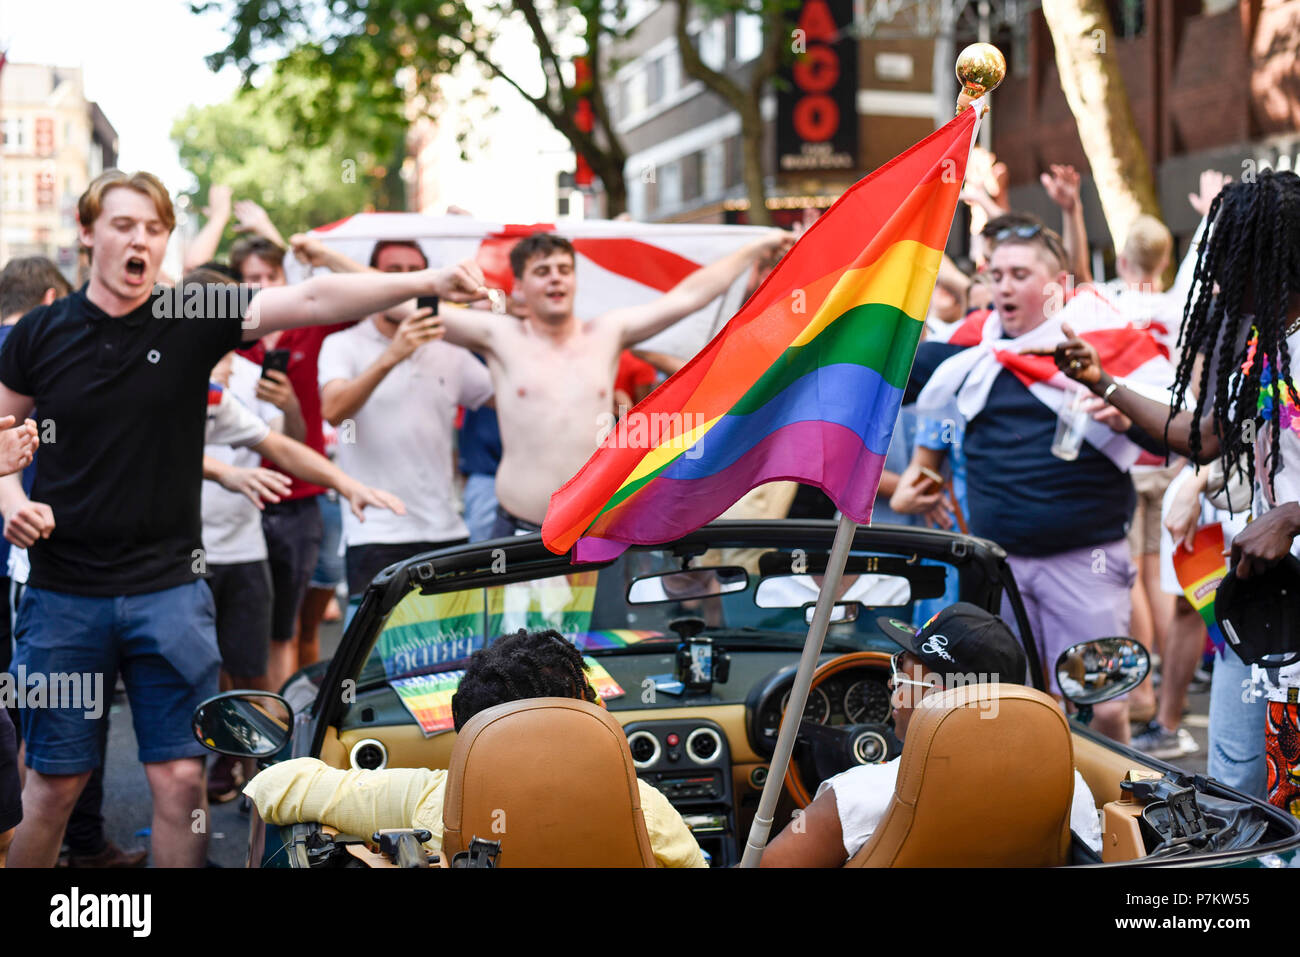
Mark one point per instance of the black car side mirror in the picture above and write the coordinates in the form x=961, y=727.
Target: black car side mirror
x=244, y=724
x=1095, y=671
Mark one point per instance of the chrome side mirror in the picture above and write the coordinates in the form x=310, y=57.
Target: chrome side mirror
x=1095, y=671
x=244, y=724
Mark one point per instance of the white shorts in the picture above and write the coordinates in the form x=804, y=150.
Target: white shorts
x=1209, y=514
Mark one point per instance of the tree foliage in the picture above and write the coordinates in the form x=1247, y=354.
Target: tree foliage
x=389, y=54
x=275, y=143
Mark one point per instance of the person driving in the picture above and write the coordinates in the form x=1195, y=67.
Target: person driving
x=540, y=664
x=959, y=645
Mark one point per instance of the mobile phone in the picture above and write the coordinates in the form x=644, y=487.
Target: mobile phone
x=277, y=359
x=428, y=302
x=932, y=475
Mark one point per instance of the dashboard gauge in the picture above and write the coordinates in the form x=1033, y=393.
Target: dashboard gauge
x=818, y=708
x=865, y=701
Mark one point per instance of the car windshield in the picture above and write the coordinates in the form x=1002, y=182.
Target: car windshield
x=762, y=595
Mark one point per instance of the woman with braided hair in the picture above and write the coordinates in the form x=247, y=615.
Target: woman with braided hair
x=540, y=664
x=1241, y=326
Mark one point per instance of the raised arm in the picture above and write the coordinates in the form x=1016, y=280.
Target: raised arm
x=309, y=465
x=1079, y=360
x=323, y=300
x=254, y=219
x=1062, y=185
x=695, y=291
x=470, y=328
x=310, y=251
x=204, y=245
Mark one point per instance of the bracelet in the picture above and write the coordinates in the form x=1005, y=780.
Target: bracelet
x=1110, y=389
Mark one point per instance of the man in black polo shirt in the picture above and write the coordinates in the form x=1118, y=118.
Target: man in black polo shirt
x=119, y=371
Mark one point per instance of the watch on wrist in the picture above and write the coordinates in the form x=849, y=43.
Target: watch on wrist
x=1110, y=390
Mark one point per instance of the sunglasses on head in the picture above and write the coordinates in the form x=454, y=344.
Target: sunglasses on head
x=1020, y=232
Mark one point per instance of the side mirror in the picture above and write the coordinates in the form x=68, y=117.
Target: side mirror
x=1095, y=671
x=244, y=724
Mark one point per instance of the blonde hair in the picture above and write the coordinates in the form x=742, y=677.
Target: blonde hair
x=1149, y=244
x=91, y=202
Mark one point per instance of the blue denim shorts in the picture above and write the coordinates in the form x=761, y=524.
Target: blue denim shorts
x=164, y=643
x=329, y=564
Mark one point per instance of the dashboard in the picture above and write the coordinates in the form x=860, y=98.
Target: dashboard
x=857, y=695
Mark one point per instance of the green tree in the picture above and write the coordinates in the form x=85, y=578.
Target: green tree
x=254, y=144
x=385, y=56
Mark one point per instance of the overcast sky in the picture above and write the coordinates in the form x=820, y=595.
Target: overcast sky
x=142, y=61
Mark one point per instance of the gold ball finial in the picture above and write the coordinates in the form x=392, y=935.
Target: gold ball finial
x=980, y=68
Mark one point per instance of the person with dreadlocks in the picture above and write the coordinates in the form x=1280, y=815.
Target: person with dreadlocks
x=1241, y=325
x=541, y=664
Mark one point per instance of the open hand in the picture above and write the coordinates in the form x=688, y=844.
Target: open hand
x=254, y=219
x=1062, y=185
x=1212, y=183
x=257, y=484
x=359, y=496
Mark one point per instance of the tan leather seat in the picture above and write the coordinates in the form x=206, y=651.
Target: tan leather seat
x=552, y=779
x=976, y=790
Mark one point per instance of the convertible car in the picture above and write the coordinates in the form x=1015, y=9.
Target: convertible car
x=693, y=648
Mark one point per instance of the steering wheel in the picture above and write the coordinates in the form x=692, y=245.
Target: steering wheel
x=831, y=750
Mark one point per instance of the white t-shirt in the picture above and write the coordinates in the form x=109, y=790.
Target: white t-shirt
x=862, y=796
x=401, y=439
x=232, y=525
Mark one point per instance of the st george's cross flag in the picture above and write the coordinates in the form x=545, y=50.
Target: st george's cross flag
x=803, y=384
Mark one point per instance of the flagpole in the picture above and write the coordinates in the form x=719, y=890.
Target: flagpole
x=812, y=649
x=976, y=67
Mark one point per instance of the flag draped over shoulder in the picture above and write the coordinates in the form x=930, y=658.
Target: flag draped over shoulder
x=803, y=384
x=961, y=384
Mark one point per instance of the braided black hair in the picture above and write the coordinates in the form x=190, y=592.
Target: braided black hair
x=539, y=664
x=1252, y=250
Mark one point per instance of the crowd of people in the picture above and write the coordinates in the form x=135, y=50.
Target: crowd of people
x=174, y=514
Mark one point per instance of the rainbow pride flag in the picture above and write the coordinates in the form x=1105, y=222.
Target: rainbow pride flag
x=803, y=384
x=1200, y=571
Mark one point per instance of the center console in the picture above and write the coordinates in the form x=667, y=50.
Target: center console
x=689, y=763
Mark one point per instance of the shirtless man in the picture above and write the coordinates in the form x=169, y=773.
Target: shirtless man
x=553, y=373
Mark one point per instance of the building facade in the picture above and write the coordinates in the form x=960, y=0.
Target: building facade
x=55, y=142
x=1212, y=84
x=683, y=141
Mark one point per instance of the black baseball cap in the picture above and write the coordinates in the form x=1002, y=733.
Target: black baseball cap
x=1260, y=615
x=962, y=639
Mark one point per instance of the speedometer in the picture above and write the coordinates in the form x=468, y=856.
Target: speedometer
x=818, y=708
x=866, y=700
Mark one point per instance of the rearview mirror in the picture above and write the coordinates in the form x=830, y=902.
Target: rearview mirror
x=687, y=584
x=243, y=724
x=1095, y=671
x=796, y=591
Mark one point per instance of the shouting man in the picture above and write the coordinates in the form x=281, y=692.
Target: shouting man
x=113, y=524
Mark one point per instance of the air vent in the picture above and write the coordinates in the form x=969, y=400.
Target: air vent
x=368, y=755
x=703, y=745
x=645, y=749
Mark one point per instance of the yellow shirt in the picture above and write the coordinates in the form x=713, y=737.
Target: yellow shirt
x=362, y=802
